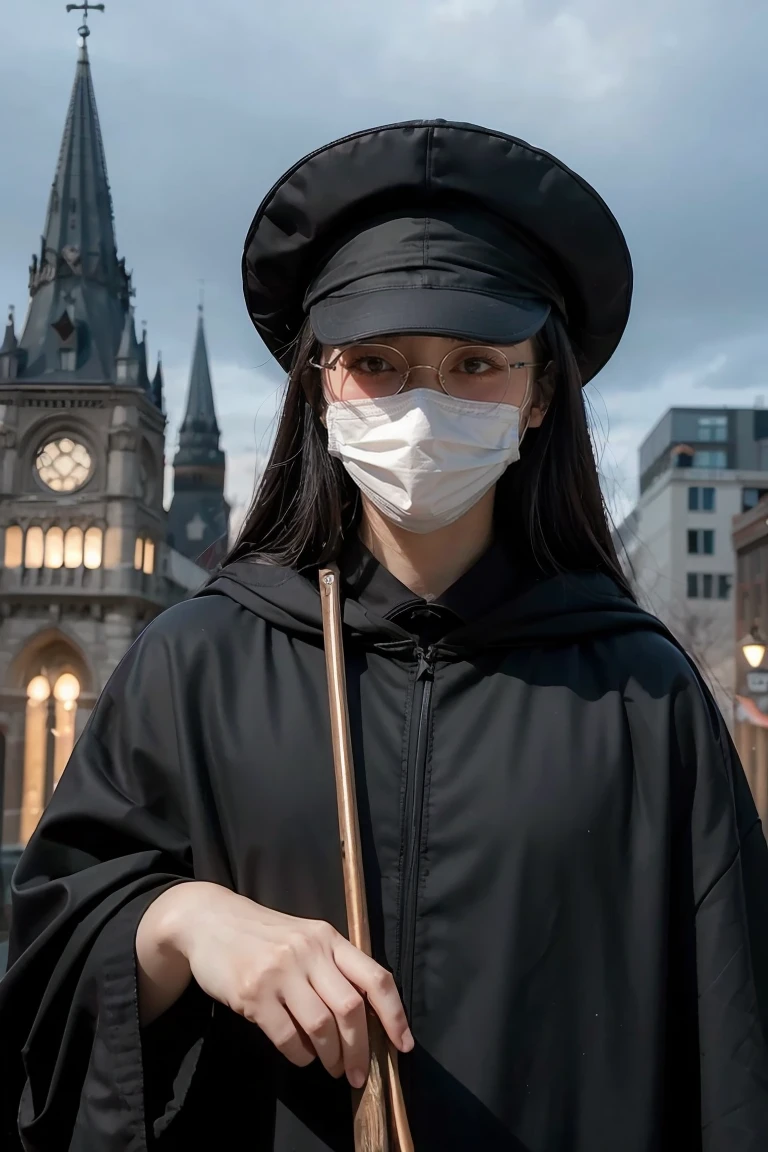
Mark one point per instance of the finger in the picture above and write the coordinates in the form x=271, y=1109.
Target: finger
x=348, y=1008
x=276, y=1024
x=316, y=1020
x=379, y=986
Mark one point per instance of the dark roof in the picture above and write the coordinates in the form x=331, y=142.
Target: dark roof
x=77, y=271
x=199, y=433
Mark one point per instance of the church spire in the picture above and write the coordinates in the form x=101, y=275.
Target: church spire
x=198, y=519
x=199, y=433
x=77, y=269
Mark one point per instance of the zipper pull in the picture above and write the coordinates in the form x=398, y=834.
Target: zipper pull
x=426, y=663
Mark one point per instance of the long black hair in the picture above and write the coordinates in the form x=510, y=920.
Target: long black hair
x=549, y=503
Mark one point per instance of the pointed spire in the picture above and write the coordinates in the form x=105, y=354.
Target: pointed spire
x=157, y=389
x=200, y=415
x=78, y=256
x=128, y=359
x=144, y=357
x=11, y=356
x=10, y=343
x=79, y=235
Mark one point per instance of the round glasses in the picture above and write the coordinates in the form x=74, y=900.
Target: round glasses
x=470, y=372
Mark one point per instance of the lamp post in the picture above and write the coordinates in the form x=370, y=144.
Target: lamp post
x=753, y=646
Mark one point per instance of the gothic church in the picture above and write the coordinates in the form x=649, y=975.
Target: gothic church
x=89, y=554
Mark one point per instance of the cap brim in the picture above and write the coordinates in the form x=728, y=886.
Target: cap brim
x=340, y=320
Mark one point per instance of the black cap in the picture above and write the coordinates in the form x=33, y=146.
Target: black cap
x=436, y=227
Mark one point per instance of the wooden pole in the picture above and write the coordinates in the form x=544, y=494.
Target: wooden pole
x=380, y=1120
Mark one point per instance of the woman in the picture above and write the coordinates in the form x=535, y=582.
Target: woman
x=565, y=871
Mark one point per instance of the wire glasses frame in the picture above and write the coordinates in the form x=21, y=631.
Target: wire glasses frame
x=454, y=354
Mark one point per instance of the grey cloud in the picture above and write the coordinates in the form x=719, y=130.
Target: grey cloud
x=659, y=105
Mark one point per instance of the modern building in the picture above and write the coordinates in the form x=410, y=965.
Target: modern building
x=83, y=530
x=699, y=468
x=198, y=520
x=750, y=541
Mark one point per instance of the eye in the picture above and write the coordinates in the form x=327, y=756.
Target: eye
x=480, y=365
x=369, y=366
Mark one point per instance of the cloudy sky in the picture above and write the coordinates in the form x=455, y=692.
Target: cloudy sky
x=661, y=106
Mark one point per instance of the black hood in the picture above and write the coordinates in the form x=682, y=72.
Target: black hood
x=565, y=607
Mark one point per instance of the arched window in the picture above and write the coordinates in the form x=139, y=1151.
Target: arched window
x=73, y=548
x=54, y=548
x=92, y=548
x=144, y=555
x=33, y=548
x=48, y=741
x=14, y=547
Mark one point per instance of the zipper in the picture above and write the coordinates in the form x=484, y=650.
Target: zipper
x=416, y=771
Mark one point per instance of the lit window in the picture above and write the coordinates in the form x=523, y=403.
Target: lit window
x=14, y=547
x=64, y=465
x=149, y=557
x=50, y=712
x=138, y=554
x=54, y=548
x=73, y=548
x=67, y=359
x=92, y=548
x=33, y=549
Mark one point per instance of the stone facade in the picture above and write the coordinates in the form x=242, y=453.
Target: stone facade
x=86, y=561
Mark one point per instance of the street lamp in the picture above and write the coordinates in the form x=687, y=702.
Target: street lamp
x=753, y=646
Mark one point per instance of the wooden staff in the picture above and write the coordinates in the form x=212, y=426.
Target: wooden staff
x=381, y=1123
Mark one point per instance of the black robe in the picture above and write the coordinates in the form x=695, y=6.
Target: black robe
x=565, y=868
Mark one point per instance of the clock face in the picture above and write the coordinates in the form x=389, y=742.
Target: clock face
x=64, y=465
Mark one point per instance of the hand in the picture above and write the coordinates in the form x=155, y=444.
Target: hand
x=300, y=981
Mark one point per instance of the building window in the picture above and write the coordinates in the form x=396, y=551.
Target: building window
x=713, y=428
x=710, y=459
x=64, y=465
x=149, y=557
x=73, y=548
x=33, y=548
x=49, y=737
x=693, y=585
x=67, y=359
x=751, y=497
x=724, y=587
x=14, y=547
x=92, y=548
x=707, y=580
x=701, y=542
x=701, y=499
x=144, y=556
x=54, y=548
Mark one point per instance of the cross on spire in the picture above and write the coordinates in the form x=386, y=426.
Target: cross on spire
x=85, y=8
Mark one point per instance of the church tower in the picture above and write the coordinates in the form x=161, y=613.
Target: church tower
x=198, y=521
x=82, y=436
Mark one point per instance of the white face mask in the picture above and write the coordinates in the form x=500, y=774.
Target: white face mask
x=422, y=457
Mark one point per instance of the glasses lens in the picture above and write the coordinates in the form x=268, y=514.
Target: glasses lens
x=480, y=373
x=367, y=370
